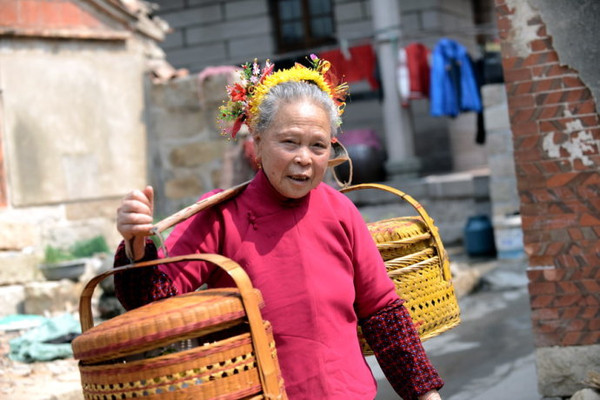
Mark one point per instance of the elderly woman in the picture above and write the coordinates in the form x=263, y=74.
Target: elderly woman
x=303, y=244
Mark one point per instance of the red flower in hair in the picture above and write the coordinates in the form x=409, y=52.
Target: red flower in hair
x=237, y=92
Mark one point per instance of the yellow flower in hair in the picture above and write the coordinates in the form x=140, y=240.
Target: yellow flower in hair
x=298, y=73
x=246, y=96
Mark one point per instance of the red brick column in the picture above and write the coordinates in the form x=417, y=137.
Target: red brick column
x=556, y=135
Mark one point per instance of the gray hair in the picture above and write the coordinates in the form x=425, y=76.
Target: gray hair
x=287, y=92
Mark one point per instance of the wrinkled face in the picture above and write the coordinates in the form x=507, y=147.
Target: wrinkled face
x=294, y=150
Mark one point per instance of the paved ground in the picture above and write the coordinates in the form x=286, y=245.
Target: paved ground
x=56, y=380
x=489, y=356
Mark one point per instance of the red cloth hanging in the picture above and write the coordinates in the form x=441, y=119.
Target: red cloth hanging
x=360, y=66
x=418, y=70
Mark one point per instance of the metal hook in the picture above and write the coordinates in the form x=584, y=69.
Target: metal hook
x=161, y=241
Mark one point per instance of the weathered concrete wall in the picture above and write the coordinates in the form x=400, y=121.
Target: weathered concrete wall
x=73, y=121
x=574, y=29
x=74, y=140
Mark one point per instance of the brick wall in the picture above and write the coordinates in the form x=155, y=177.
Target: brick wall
x=556, y=135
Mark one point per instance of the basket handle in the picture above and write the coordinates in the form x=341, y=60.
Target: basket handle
x=342, y=158
x=250, y=301
x=200, y=205
x=420, y=210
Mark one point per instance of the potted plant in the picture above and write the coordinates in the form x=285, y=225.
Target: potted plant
x=70, y=263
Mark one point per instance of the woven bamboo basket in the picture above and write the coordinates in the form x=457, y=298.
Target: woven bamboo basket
x=208, y=344
x=418, y=264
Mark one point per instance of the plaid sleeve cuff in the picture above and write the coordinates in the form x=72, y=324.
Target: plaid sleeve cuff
x=143, y=285
x=399, y=351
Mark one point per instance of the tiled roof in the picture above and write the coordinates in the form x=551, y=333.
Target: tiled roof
x=84, y=19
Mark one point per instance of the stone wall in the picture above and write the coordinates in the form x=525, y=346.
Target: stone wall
x=551, y=84
x=188, y=156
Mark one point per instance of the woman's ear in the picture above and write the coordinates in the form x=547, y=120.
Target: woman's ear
x=256, y=138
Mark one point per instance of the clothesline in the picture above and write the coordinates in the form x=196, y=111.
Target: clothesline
x=402, y=39
x=394, y=33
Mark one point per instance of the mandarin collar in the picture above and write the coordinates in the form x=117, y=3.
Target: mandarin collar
x=265, y=199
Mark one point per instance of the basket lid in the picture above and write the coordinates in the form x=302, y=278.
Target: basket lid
x=165, y=321
x=394, y=229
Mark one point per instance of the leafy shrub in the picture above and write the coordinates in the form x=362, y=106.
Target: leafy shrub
x=80, y=249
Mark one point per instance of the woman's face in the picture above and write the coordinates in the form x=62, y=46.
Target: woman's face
x=294, y=150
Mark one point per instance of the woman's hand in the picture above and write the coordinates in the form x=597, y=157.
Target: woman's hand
x=431, y=395
x=134, y=220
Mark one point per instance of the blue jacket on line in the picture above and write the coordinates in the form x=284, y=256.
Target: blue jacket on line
x=453, y=84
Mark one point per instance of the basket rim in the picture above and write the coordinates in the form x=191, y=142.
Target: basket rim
x=162, y=322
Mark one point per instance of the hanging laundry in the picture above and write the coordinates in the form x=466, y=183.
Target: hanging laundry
x=403, y=76
x=453, y=82
x=413, y=72
x=361, y=65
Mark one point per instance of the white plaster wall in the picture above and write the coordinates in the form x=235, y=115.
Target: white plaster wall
x=73, y=120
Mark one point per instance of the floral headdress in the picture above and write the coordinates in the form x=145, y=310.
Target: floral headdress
x=246, y=95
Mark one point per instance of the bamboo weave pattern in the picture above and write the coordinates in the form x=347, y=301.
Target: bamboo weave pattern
x=209, y=344
x=417, y=263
